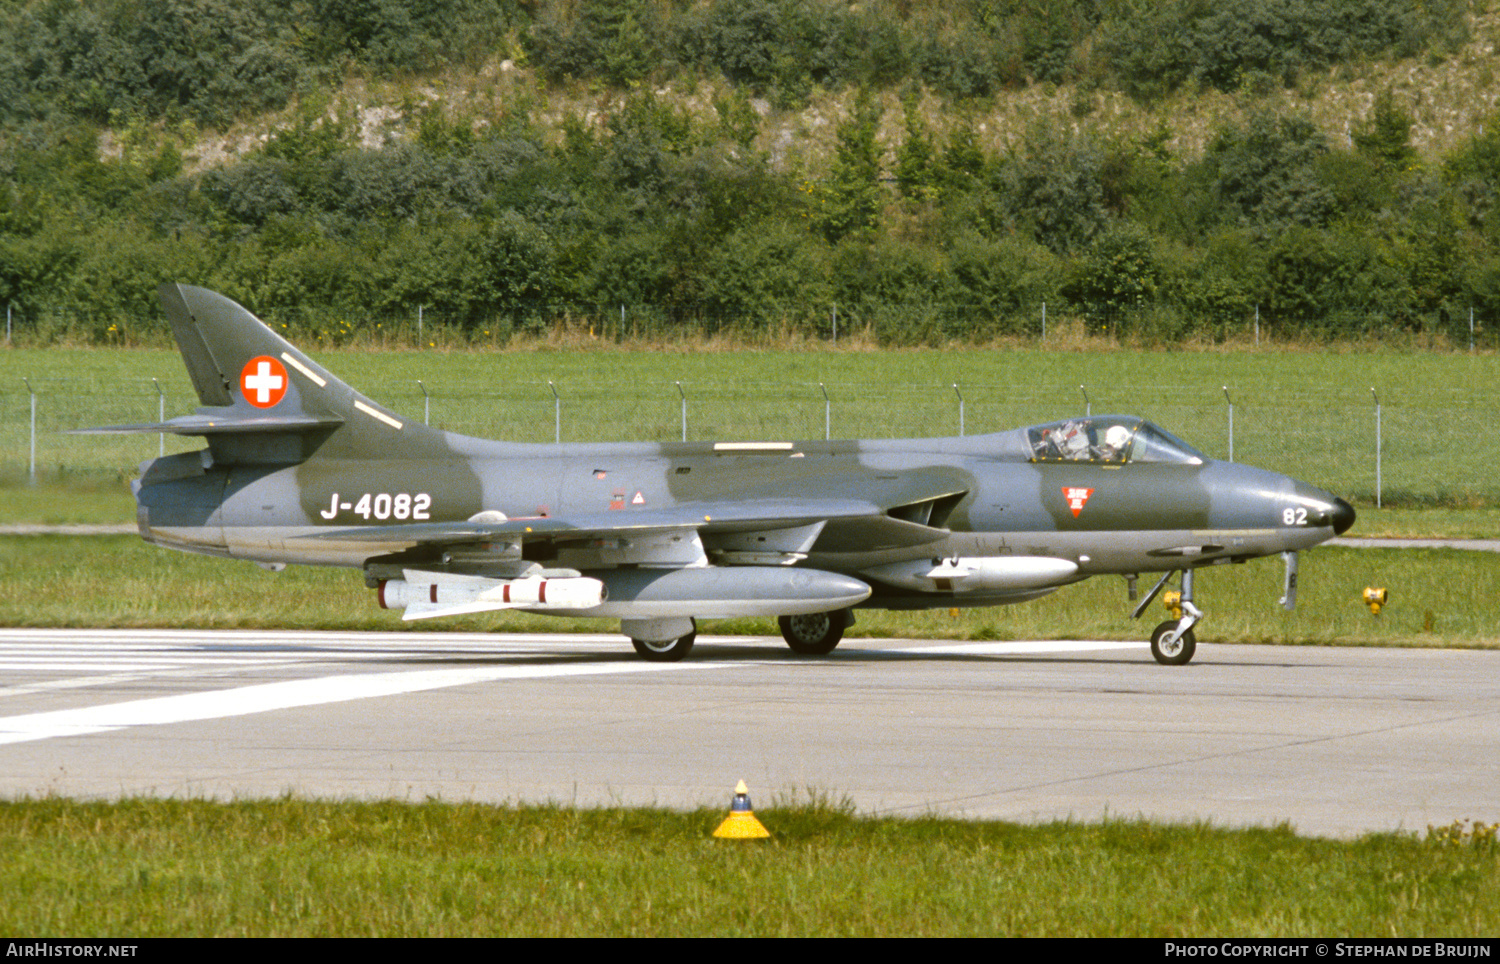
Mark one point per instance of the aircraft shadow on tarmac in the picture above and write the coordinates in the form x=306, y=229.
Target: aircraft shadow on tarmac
x=525, y=652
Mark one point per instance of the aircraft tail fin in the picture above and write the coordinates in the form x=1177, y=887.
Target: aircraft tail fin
x=264, y=401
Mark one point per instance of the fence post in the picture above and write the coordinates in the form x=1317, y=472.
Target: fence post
x=426, y=404
x=1044, y=322
x=1231, y=422
x=161, y=416
x=556, y=413
x=960, y=408
x=1377, y=446
x=683, y=396
x=827, y=414
x=32, y=392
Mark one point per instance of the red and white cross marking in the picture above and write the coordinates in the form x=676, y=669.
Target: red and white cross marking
x=1076, y=498
x=263, y=381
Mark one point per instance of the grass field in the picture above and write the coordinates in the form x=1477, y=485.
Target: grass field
x=1308, y=414
x=307, y=868
x=295, y=867
x=1438, y=598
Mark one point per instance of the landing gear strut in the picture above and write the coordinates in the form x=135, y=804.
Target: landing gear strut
x=1173, y=642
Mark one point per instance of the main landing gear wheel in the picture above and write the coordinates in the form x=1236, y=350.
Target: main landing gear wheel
x=1176, y=652
x=813, y=634
x=665, y=650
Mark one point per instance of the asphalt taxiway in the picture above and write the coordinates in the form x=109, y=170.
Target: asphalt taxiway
x=1334, y=741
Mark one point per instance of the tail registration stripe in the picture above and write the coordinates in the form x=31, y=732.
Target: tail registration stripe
x=377, y=414
x=311, y=375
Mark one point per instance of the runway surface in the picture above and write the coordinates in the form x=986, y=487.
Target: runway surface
x=1336, y=741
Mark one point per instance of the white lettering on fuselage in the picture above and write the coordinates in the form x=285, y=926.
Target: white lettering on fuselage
x=382, y=505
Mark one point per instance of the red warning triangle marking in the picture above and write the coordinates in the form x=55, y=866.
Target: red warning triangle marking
x=1076, y=497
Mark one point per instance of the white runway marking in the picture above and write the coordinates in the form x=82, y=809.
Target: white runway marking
x=1338, y=741
x=101, y=657
x=108, y=657
x=217, y=704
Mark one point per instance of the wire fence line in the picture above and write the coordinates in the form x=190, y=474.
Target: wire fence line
x=910, y=322
x=1439, y=447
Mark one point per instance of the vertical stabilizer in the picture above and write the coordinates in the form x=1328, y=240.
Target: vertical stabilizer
x=208, y=376
x=267, y=402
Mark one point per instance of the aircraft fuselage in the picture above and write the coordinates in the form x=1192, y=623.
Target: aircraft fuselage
x=1106, y=518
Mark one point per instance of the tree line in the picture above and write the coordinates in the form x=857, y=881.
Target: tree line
x=496, y=224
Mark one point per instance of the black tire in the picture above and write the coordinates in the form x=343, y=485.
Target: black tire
x=814, y=634
x=1181, y=654
x=666, y=650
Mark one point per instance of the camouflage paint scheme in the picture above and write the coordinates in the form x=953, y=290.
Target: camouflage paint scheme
x=309, y=471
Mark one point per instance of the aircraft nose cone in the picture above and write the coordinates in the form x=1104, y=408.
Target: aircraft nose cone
x=1342, y=516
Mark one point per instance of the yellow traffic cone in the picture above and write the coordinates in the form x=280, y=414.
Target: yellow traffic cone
x=741, y=823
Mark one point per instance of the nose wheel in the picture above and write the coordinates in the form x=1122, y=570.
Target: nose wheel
x=1173, y=642
x=1171, y=646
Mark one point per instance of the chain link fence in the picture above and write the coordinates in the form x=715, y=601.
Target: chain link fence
x=1438, y=447
x=918, y=322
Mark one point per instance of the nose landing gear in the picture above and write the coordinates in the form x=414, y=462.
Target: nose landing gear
x=1173, y=642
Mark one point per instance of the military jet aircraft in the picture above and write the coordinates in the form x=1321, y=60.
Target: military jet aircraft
x=301, y=468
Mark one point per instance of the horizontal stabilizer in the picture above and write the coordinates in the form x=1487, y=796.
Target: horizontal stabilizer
x=233, y=422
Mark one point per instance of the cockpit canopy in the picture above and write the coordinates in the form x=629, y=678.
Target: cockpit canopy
x=1115, y=439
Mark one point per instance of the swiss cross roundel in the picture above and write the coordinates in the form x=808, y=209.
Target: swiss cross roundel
x=263, y=381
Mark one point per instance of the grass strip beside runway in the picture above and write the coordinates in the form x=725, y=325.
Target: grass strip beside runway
x=1438, y=597
x=291, y=867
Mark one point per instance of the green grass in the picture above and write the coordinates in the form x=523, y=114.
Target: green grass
x=293, y=867
x=1438, y=598
x=1307, y=413
x=289, y=867
x=94, y=501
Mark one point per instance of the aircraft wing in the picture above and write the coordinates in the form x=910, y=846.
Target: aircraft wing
x=736, y=522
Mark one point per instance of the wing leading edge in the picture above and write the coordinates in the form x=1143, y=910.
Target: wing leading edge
x=708, y=519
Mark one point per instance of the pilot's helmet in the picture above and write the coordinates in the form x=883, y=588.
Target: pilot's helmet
x=1117, y=437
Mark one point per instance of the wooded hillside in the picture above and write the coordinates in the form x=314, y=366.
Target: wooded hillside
x=929, y=171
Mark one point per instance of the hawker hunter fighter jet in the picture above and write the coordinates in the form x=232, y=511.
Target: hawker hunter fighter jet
x=301, y=468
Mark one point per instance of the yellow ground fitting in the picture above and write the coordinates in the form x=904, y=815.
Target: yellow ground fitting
x=1375, y=598
x=741, y=823
x=1173, y=601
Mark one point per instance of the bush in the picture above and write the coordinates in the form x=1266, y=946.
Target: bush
x=1120, y=273
x=1267, y=172
x=1231, y=43
x=1055, y=189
